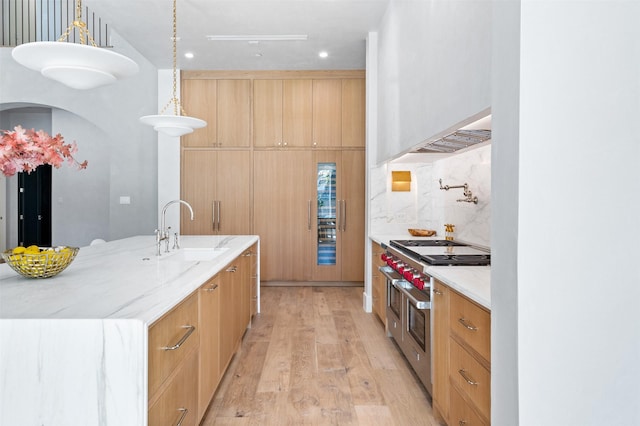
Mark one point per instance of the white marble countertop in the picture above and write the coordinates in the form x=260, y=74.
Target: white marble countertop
x=473, y=282
x=122, y=279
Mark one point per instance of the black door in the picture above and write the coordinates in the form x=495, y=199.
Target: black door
x=34, y=207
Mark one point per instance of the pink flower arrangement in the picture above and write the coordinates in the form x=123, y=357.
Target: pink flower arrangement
x=23, y=150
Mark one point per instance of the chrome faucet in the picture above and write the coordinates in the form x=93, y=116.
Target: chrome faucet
x=162, y=234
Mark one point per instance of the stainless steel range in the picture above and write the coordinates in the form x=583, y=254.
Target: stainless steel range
x=409, y=293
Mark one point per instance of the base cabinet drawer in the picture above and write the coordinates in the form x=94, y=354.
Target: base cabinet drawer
x=472, y=323
x=170, y=339
x=470, y=377
x=461, y=413
x=178, y=401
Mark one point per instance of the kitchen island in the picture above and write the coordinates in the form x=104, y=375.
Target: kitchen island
x=74, y=348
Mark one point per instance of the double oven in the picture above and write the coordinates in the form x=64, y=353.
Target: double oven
x=409, y=289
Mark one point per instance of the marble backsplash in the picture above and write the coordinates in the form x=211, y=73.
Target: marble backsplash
x=426, y=205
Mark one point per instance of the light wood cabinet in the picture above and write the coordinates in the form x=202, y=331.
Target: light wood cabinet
x=338, y=216
x=353, y=112
x=282, y=205
x=327, y=113
x=469, y=361
x=209, y=361
x=173, y=365
x=440, y=313
x=282, y=112
x=225, y=105
x=171, y=338
x=217, y=184
x=178, y=402
x=378, y=283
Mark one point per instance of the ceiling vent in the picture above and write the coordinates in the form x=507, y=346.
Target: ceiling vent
x=460, y=139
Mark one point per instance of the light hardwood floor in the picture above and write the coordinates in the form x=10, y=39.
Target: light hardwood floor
x=314, y=357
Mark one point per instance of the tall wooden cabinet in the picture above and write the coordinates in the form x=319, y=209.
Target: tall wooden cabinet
x=283, y=206
x=217, y=184
x=254, y=168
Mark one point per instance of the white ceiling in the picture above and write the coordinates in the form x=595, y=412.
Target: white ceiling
x=339, y=27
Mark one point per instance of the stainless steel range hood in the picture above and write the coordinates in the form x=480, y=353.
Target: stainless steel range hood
x=468, y=136
x=460, y=139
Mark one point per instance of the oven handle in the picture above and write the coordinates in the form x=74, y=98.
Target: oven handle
x=388, y=272
x=419, y=304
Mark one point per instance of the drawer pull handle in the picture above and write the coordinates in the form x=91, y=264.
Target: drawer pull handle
x=438, y=292
x=211, y=288
x=467, y=325
x=184, y=414
x=190, y=329
x=462, y=422
x=231, y=269
x=467, y=378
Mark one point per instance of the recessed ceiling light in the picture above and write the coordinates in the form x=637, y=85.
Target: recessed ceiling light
x=258, y=55
x=188, y=55
x=257, y=37
x=323, y=54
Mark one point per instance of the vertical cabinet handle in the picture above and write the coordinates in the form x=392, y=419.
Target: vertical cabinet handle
x=344, y=215
x=338, y=215
x=219, y=214
x=309, y=215
x=213, y=214
x=182, y=416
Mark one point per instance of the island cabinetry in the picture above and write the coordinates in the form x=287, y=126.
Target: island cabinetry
x=378, y=283
x=173, y=365
x=217, y=184
x=469, y=365
x=225, y=105
x=209, y=360
x=440, y=312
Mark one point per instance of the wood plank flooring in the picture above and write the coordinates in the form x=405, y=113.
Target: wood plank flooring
x=314, y=357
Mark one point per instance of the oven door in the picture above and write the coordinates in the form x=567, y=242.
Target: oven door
x=417, y=334
x=394, y=303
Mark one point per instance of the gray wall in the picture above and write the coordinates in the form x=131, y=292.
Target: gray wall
x=434, y=71
x=122, y=153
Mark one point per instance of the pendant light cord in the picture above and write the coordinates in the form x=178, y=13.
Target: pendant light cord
x=177, y=108
x=79, y=25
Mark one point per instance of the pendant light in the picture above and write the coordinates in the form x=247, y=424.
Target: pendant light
x=179, y=123
x=79, y=66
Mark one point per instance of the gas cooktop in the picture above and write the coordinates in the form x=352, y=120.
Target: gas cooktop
x=443, y=252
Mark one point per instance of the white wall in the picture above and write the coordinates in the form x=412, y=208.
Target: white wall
x=434, y=70
x=577, y=277
x=131, y=148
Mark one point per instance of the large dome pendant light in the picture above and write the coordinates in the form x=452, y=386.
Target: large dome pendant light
x=79, y=66
x=179, y=123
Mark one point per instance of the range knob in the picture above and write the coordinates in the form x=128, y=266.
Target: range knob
x=418, y=282
x=384, y=257
x=409, y=274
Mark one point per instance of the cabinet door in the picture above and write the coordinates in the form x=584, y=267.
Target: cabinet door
x=199, y=101
x=353, y=112
x=440, y=310
x=327, y=113
x=267, y=113
x=228, y=308
x=282, y=208
x=351, y=188
x=233, y=193
x=297, y=114
x=378, y=283
x=198, y=188
x=234, y=113
x=209, y=321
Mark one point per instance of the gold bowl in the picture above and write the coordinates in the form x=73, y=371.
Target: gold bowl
x=50, y=261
